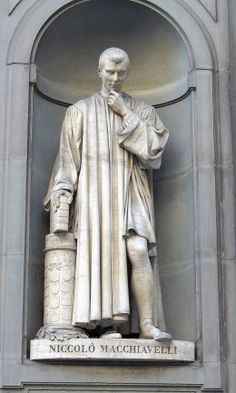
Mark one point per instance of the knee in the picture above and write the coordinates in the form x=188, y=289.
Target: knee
x=137, y=248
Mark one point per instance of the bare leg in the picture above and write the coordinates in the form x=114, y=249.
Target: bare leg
x=142, y=287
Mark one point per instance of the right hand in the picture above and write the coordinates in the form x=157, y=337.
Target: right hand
x=55, y=198
x=117, y=103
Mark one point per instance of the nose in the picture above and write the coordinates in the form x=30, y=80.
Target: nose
x=115, y=77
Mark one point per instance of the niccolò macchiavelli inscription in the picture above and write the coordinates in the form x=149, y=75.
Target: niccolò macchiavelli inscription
x=139, y=349
x=117, y=349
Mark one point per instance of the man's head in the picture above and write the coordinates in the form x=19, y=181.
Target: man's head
x=113, y=68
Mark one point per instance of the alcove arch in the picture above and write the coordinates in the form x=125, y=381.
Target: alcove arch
x=38, y=17
x=75, y=39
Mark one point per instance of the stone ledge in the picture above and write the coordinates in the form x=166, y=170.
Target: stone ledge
x=112, y=349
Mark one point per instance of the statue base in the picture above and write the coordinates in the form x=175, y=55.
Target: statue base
x=60, y=333
x=111, y=349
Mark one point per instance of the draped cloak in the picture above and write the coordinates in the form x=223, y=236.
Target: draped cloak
x=102, y=160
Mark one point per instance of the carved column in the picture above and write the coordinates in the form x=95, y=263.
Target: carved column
x=60, y=255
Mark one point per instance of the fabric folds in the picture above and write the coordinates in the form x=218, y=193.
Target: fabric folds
x=103, y=160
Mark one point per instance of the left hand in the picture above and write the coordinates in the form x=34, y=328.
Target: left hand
x=116, y=102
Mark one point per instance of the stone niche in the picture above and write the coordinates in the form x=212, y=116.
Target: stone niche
x=66, y=59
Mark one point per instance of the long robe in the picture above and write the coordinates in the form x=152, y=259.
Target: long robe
x=102, y=160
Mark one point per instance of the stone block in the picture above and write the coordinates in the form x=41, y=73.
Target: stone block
x=112, y=350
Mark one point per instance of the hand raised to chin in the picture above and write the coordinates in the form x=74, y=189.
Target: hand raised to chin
x=117, y=103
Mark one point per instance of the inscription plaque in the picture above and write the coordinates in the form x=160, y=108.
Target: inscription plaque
x=112, y=349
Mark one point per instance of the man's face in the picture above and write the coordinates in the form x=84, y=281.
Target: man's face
x=113, y=75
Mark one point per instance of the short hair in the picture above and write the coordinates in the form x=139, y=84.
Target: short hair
x=116, y=55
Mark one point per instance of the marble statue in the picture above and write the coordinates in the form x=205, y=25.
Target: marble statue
x=101, y=210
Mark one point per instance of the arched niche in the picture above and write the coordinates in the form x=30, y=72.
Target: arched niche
x=68, y=51
x=66, y=58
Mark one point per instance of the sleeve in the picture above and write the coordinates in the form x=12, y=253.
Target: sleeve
x=67, y=163
x=145, y=136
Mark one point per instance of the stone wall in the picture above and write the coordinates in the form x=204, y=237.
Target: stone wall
x=230, y=270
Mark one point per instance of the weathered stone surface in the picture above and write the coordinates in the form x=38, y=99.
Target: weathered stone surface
x=112, y=349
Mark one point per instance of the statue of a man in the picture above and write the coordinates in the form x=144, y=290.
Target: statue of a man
x=107, y=142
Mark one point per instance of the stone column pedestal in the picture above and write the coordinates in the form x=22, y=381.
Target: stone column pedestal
x=60, y=256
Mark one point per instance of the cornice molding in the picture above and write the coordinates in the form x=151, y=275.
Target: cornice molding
x=67, y=104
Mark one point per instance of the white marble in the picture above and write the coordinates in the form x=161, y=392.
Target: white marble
x=112, y=349
x=59, y=279
x=59, y=219
x=107, y=140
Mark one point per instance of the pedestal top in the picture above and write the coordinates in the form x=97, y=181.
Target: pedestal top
x=112, y=349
